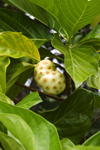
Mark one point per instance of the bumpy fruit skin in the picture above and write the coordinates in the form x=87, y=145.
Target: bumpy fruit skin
x=48, y=78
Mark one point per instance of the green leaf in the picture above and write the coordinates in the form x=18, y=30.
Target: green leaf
x=4, y=98
x=56, y=42
x=36, y=11
x=97, y=100
x=45, y=133
x=30, y=100
x=75, y=58
x=92, y=38
x=77, y=37
x=9, y=143
x=66, y=144
x=93, y=140
x=95, y=22
x=85, y=148
x=20, y=129
x=16, y=45
x=15, y=89
x=93, y=34
x=2, y=128
x=18, y=22
x=72, y=15
x=14, y=70
x=46, y=53
x=93, y=81
x=73, y=116
x=4, y=62
x=74, y=63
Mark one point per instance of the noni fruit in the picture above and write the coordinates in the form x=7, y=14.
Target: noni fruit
x=48, y=78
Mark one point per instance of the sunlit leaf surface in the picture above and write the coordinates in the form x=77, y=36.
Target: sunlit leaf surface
x=4, y=62
x=30, y=100
x=80, y=62
x=16, y=45
x=9, y=143
x=18, y=127
x=45, y=133
x=73, y=14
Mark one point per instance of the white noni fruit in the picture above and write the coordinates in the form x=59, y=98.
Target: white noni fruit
x=48, y=78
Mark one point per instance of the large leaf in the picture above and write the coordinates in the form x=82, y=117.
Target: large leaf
x=18, y=22
x=93, y=81
x=72, y=15
x=20, y=129
x=39, y=13
x=9, y=143
x=4, y=98
x=93, y=140
x=4, y=62
x=80, y=62
x=85, y=148
x=16, y=45
x=14, y=70
x=73, y=116
x=66, y=144
x=30, y=100
x=45, y=133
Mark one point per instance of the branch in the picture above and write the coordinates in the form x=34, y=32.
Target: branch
x=68, y=84
x=95, y=120
x=41, y=93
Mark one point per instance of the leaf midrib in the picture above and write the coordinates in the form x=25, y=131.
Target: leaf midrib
x=25, y=54
x=68, y=112
x=78, y=20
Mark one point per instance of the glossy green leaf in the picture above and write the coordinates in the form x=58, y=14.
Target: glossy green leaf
x=4, y=62
x=14, y=70
x=16, y=45
x=66, y=144
x=95, y=22
x=85, y=148
x=72, y=15
x=73, y=116
x=75, y=58
x=45, y=133
x=18, y=22
x=15, y=89
x=9, y=143
x=30, y=100
x=20, y=129
x=93, y=140
x=97, y=100
x=4, y=98
x=36, y=11
x=94, y=81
